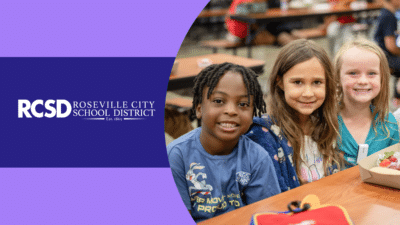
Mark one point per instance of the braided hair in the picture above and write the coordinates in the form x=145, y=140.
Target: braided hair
x=211, y=75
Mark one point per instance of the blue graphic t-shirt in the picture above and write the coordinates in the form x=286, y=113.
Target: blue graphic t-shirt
x=211, y=185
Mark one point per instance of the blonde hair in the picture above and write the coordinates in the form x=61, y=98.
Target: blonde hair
x=324, y=129
x=381, y=101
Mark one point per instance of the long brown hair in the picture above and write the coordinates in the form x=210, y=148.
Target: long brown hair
x=381, y=102
x=324, y=130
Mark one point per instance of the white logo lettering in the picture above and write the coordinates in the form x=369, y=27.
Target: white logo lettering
x=24, y=106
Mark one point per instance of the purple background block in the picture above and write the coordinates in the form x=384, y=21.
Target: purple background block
x=95, y=28
x=90, y=196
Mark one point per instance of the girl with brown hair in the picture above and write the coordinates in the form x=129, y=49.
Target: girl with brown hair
x=300, y=130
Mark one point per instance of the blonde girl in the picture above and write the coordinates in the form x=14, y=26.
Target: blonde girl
x=362, y=72
x=301, y=127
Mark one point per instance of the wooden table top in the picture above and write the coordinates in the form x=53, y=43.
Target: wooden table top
x=294, y=14
x=212, y=13
x=188, y=67
x=366, y=203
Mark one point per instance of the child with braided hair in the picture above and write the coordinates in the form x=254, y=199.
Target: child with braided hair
x=215, y=167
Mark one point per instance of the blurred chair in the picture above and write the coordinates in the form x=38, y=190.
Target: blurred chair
x=178, y=117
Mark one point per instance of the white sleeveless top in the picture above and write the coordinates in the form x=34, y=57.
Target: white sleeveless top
x=312, y=168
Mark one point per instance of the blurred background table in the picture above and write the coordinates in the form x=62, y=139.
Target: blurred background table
x=366, y=203
x=212, y=13
x=188, y=68
x=272, y=15
x=325, y=10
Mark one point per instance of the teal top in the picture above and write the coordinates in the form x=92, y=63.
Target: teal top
x=376, y=140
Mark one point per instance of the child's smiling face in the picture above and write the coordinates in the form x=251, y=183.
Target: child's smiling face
x=227, y=114
x=304, y=86
x=360, y=76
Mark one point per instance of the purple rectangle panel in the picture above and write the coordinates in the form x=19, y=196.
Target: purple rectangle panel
x=90, y=196
x=95, y=28
x=91, y=29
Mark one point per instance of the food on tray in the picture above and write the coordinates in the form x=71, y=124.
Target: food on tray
x=389, y=160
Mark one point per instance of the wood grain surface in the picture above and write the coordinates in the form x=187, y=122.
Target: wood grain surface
x=188, y=67
x=366, y=203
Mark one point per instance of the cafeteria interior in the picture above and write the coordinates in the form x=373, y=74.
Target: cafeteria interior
x=212, y=28
x=358, y=195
